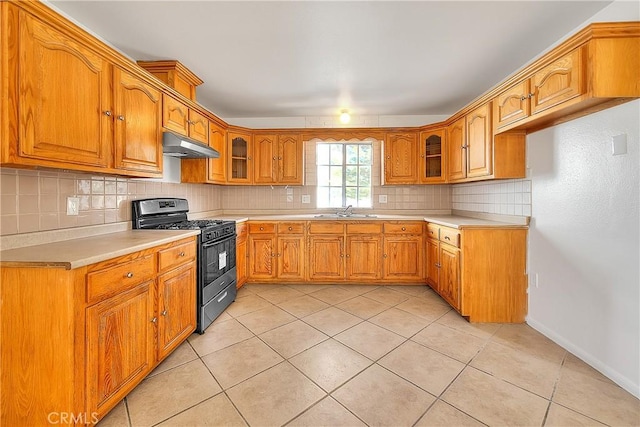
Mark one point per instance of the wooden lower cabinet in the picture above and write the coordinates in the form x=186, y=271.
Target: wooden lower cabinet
x=262, y=252
x=363, y=257
x=276, y=251
x=104, y=327
x=403, y=258
x=326, y=257
x=481, y=272
x=120, y=346
x=290, y=258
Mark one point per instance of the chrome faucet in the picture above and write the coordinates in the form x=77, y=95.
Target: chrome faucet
x=348, y=211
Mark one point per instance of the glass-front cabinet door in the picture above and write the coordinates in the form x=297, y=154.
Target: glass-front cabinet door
x=432, y=156
x=240, y=165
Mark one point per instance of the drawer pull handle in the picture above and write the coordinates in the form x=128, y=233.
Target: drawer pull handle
x=129, y=275
x=182, y=254
x=446, y=238
x=164, y=312
x=223, y=296
x=222, y=283
x=154, y=320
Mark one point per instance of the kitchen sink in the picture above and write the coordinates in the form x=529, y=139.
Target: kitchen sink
x=340, y=216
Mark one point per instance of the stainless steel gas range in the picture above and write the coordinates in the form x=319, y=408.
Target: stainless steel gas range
x=216, y=283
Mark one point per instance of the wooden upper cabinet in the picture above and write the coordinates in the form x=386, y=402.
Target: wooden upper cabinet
x=457, y=158
x=240, y=157
x=265, y=152
x=553, y=85
x=558, y=82
x=217, y=168
x=432, y=156
x=138, y=124
x=64, y=98
x=290, y=159
x=400, y=158
x=479, y=142
x=198, y=127
x=175, y=115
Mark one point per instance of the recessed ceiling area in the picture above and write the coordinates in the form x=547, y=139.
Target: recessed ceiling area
x=308, y=58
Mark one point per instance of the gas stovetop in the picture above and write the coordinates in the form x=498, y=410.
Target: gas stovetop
x=192, y=225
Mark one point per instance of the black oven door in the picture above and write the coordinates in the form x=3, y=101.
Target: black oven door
x=218, y=257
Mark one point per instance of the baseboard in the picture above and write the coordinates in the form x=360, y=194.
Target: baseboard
x=588, y=358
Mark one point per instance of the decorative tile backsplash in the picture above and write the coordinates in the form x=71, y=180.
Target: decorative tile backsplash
x=511, y=197
x=37, y=200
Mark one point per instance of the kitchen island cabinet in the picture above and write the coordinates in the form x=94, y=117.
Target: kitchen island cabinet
x=103, y=322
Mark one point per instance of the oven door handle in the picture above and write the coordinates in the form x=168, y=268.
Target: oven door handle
x=223, y=296
x=215, y=242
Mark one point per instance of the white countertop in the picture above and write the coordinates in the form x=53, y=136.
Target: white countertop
x=75, y=253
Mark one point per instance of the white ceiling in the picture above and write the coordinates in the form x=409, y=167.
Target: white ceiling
x=312, y=58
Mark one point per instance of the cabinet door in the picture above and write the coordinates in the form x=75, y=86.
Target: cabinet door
x=120, y=346
x=265, y=152
x=363, y=260
x=557, y=82
x=291, y=257
x=456, y=141
x=403, y=258
x=198, y=127
x=176, y=307
x=450, y=275
x=240, y=163
x=138, y=127
x=512, y=105
x=479, y=146
x=433, y=264
x=64, y=107
x=217, y=171
x=400, y=158
x=326, y=257
x=262, y=252
x=290, y=159
x=432, y=149
x=175, y=115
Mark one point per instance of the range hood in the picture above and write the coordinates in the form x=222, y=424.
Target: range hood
x=186, y=148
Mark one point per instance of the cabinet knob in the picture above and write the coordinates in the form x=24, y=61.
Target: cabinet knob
x=121, y=118
x=182, y=254
x=261, y=228
x=164, y=312
x=388, y=157
x=279, y=255
x=107, y=113
x=274, y=157
x=290, y=228
x=522, y=98
x=464, y=147
x=279, y=158
x=384, y=255
x=348, y=256
x=341, y=255
x=129, y=275
x=189, y=122
x=404, y=228
x=422, y=155
x=530, y=96
x=273, y=255
x=154, y=320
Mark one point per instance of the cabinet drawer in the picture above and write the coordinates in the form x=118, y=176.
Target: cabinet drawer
x=409, y=228
x=176, y=255
x=117, y=279
x=433, y=231
x=450, y=236
x=291, y=228
x=323, y=227
x=262, y=228
x=368, y=228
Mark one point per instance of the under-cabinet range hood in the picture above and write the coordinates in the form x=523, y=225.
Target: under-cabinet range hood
x=186, y=148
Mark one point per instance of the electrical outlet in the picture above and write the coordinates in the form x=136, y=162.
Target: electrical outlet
x=619, y=144
x=73, y=205
x=306, y=198
x=382, y=198
x=289, y=198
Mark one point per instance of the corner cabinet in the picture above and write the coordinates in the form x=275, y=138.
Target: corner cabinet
x=240, y=152
x=432, y=156
x=241, y=254
x=111, y=323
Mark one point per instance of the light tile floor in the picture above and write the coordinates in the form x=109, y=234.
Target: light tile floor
x=302, y=355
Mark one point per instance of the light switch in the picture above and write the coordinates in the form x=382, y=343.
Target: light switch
x=306, y=198
x=382, y=198
x=619, y=144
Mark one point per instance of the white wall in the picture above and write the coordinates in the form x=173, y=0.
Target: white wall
x=584, y=240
